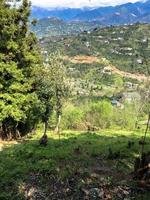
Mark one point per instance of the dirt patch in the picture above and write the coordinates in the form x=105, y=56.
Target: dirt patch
x=92, y=183
x=76, y=187
x=5, y=144
x=139, y=77
x=109, y=68
x=83, y=59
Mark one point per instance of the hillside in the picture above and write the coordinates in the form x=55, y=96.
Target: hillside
x=109, y=67
x=76, y=167
x=96, y=60
x=74, y=108
x=126, y=47
x=53, y=26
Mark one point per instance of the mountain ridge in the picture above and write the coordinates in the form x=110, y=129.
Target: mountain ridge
x=110, y=15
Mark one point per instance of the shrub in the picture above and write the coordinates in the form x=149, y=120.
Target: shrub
x=99, y=114
x=72, y=117
x=126, y=117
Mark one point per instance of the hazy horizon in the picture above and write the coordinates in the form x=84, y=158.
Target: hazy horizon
x=80, y=3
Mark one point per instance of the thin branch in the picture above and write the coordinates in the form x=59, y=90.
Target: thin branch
x=145, y=135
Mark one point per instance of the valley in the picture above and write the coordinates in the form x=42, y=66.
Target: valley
x=74, y=100
x=96, y=60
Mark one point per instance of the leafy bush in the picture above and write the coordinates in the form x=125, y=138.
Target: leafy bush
x=72, y=117
x=126, y=118
x=99, y=114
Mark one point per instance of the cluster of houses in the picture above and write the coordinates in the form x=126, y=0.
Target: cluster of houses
x=128, y=97
x=117, y=38
x=81, y=87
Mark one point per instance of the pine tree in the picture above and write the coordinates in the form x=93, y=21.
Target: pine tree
x=18, y=58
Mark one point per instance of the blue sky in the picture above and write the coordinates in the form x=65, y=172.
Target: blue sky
x=78, y=3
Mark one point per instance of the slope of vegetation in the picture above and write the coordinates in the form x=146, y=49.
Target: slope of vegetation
x=54, y=27
x=111, y=62
x=63, y=90
x=81, y=165
x=126, y=47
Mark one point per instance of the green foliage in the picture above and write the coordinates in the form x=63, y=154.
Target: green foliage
x=51, y=86
x=18, y=57
x=127, y=116
x=100, y=114
x=97, y=114
x=124, y=46
x=118, y=81
x=73, y=117
x=23, y=163
x=56, y=27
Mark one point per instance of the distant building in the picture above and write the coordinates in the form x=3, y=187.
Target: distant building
x=129, y=85
x=107, y=70
x=130, y=96
x=116, y=103
x=139, y=61
x=87, y=44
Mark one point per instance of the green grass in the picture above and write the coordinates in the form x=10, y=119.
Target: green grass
x=75, y=152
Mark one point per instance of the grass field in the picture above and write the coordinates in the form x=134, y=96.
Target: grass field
x=81, y=165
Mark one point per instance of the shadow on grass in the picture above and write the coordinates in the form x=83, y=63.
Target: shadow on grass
x=63, y=167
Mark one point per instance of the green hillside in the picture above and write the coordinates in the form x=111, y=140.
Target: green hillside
x=76, y=167
x=54, y=26
x=74, y=110
x=103, y=62
x=126, y=47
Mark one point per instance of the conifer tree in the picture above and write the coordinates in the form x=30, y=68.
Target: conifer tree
x=18, y=58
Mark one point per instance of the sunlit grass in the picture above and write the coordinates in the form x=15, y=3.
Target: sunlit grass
x=75, y=150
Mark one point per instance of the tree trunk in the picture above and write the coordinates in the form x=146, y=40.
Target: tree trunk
x=45, y=127
x=44, y=139
x=18, y=135
x=9, y=136
x=145, y=135
x=4, y=131
x=57, y=126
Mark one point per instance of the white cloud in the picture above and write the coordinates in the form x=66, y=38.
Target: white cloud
x=78, y=3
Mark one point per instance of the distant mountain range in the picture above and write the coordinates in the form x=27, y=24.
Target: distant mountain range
x=122, y=14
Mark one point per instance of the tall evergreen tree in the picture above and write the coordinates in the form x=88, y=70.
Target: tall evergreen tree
x=18, y=58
